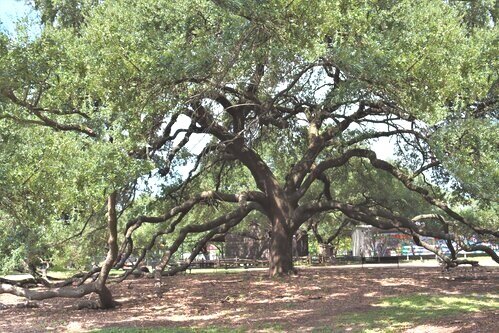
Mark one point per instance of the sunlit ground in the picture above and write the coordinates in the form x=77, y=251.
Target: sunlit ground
x=373, y=298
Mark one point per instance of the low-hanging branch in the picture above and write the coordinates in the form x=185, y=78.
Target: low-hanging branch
x=202, y=243
x=187, y=205
x=398, y=174
x=236, y=215
x=384, y=219
x=449, y=262
x=68, y=292
x=44, y=120
x=181, y=210
x=96, y=286
x=170, y=229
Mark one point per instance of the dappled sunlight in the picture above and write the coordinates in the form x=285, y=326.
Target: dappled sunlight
x=323, y=298
x=124, y=299
x=428, y=303
x=263, y=283
x=74, y=326
x=400, y=282
x=184, y=318
x=452, y=292
x=400, y=312
x=371, y=294
x=338, y=295
x=10, y=299
x=294, y=312
x=434, y=329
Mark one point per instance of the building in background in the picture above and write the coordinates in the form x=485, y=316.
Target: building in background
x=368, y=241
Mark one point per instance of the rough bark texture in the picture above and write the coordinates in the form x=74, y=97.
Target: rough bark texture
x=105, y=296
x=67, y=292
x=281, y=250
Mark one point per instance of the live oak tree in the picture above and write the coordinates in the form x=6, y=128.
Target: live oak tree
x=219, y=112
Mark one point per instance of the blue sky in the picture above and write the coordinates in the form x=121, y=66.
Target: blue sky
x=10, y=10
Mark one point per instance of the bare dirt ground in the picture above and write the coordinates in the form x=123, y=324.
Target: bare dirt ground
x=315, y=299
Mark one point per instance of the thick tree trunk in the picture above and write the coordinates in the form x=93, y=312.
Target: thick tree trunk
x=281, y=250
x=105, y=296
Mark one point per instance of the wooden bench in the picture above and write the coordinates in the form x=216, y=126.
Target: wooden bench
x=241, y=262
x=226, y=263
x=381, y=260
x=345, y=260
x=200, y=264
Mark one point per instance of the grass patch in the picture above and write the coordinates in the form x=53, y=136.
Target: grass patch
x=62, y=274
x=264, y=328
x=396, y=313
x=167, y=330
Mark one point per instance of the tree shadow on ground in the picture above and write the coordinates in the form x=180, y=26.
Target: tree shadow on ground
x=317, y=298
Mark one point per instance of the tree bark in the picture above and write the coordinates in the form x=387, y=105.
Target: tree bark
x=36, y=295
x=105, y=296
x=281, y=250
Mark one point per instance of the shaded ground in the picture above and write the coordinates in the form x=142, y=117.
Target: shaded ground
x=409, y=299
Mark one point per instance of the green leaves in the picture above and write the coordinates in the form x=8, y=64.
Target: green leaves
x=411, y=53
x=52, y=184
x=123, y=69
x=468, y=149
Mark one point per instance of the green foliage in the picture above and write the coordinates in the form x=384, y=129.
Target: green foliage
x=63, y=13
x=124, y=68
x=52, y=184
x=479, y=214
x=408, y=51
x=468, y=150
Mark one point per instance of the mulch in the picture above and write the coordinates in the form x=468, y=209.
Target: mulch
x=252, y=301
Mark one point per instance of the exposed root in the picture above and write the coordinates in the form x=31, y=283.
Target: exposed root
x=23, y=305
x=92, y=305
x=293, y=272
x=87, y=304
